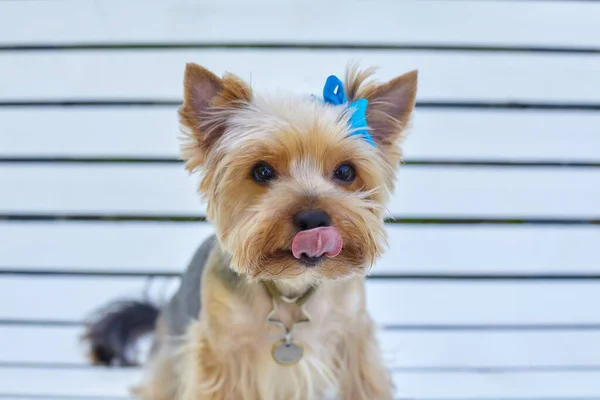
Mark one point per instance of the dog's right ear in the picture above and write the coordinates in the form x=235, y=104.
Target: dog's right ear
x=207, y=102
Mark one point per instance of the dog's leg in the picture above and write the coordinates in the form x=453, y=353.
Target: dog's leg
x=159, y=376
x=206, y=375
x=363, y=375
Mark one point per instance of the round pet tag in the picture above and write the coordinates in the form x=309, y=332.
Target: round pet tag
x=287, y=352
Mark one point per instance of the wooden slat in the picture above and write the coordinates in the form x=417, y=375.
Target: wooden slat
x=115, y=382
x=390, y=303
x=464, y=22
x=443, y=76
x=104, y=382
x=128, y=132
x=497, y=386
x=167, y=247
x=419, y=350
x=60, y=397
x=66, y=346
x=503, y=135
x=436, y=134
x=422, y=191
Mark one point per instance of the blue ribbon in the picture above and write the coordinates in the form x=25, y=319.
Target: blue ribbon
x=333, y=93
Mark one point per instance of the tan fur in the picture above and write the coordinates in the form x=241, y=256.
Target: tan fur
x=226, y=352
x=160, y=381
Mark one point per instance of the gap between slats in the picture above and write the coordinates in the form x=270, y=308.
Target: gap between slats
x=406, y=163
x=450, y=105
x=298, y=46
x=435, y=220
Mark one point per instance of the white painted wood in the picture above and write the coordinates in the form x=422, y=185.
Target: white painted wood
x=31, y=345
x=75, y=298
x=390, y=302
x=428, y=350
x=422, y=191
x=68, y=382
x=504, y=135
x=464, y=302
x=68, y=397
x=430, y=249
x=443, y=76
x=436, y=134
x=497, y=386
x=115, y=382
x=111, y=132
x=431, y=22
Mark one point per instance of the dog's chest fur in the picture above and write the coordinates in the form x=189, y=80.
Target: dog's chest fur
x=234, y=322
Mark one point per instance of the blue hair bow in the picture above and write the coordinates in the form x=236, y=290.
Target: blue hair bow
x=333, y=93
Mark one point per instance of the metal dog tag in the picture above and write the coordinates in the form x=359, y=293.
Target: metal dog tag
x=287, y=352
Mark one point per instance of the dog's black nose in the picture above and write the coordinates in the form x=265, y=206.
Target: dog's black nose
x=311, y=219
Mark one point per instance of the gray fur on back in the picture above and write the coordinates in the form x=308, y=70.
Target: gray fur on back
x=185, y=305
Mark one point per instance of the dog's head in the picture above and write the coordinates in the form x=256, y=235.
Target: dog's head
x=289, y=187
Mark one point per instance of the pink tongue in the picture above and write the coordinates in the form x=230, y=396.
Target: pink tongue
x=316, y=242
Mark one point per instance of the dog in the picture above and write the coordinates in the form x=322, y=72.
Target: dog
x=273, y=305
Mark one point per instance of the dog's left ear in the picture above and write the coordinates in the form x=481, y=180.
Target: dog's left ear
x=389, y=110
x=207, y=103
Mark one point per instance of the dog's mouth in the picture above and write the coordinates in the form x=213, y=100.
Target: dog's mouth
x=311, y=261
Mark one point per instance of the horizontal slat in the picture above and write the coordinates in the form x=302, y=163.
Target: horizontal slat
x=115, y=382
x=422, y=191
x=104, y=382
x=61, y=397
x=167, y=247
x=75, y=298
x=436, y=134
x=83, y=132
x=503, y=136
x=555, y=386
x=158, y=74
x=406, y=350
x=524, y=23
x=390, y=302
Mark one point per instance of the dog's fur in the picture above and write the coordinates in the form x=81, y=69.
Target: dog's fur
x=212, y=340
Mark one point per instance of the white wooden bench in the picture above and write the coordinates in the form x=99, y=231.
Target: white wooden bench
x=493, y=272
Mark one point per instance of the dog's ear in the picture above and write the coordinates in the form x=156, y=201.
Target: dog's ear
x=390, y=107
x=207, y=102
x=389, y=110
x=200, y=87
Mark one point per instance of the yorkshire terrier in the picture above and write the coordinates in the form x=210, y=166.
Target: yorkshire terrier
x=273, y=306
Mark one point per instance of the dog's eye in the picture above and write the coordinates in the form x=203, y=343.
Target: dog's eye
x=345, y=173
x=263, y=172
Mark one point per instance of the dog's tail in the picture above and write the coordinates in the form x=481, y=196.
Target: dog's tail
x=113, y=331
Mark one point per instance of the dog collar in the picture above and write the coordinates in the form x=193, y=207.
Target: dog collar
x=276, y=295
x=333, y=93
x=287, y=351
